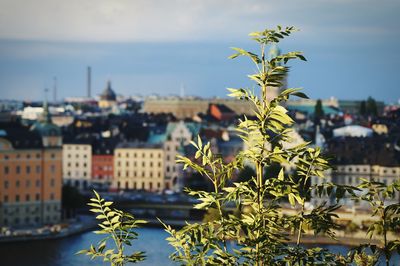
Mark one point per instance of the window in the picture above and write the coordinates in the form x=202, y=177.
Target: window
x=28, y=156
x=37, y=197
x=5, y=157
x=6, y=170
x=84, y=164
x=27, y=197
x=77, y=164
x=28, y=183
x=52, y=196
x=28, y=169
x=53, y=156
x=127, y=164
x=17, y=183
x=143, y=164
x=37, y=183
x=37, y=169
x=52, y=182
x=18, y=169
x=38, y=155
x=5, y=198
x=151, y=164
x=151, y=155
x=17, y=198
x=6, y=184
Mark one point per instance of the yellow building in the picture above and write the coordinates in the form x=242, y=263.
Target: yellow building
x=30, y=167
x=138, y=166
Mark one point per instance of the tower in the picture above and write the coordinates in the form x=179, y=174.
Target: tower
x=89, y=81
x=273, y=92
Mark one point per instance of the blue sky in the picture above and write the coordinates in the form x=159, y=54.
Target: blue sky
x=148, y=46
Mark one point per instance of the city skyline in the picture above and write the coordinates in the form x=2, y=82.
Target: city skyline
x=152, y=47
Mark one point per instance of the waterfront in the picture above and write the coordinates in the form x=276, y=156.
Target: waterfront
x=60, y=252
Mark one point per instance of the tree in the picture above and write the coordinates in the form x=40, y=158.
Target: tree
x=318, y=110
x=363, y=108
x=262, y=231
x=372, y=108
x=259, y=228
x=71, y=200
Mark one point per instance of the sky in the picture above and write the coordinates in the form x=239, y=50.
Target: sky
x=158, y=47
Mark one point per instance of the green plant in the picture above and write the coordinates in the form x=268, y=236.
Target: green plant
x=381, y=198
x=119, y=227
x=261, y=232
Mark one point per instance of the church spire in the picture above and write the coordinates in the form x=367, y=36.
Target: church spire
x=46, y=117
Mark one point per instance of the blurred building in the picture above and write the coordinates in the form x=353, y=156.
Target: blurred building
x=108, y=98
x=187, y=108
x=77, y=164
x=138, y=166
x=31, y=171
x=103, y=163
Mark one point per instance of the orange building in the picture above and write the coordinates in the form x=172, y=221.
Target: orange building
x=31, y=173
x=103, y=162
x=102, y=170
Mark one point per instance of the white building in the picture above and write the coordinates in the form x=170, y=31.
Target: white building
x=77, y=165
x=178, y=134
x=353, y=131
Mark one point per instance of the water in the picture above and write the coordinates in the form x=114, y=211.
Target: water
x=61, y=251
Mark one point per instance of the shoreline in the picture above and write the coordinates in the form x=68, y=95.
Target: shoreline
x=154, y=223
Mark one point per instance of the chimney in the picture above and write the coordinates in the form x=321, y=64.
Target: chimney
x=89, y=81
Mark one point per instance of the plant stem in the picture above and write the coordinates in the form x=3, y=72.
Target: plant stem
x=300, y=226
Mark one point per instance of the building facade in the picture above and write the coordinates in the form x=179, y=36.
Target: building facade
x=184, y=108
x=77, y=165
x=31, y=171
x=102, y=170
x=138, y=166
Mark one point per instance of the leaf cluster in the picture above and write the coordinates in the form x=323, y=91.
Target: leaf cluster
x=118, y=226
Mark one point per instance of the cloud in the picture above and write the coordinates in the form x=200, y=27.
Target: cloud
x=179, y=20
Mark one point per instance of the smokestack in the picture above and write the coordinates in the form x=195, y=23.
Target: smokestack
x=55, y=90
x=89, y=81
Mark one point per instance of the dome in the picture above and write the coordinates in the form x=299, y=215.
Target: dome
x=46, y=129
x=44, y=125
x=108, y=94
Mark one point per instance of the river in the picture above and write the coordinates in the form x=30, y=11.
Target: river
x=60, y=252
